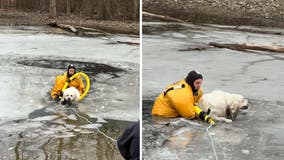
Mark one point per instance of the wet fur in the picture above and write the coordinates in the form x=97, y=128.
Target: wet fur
x=70, y=96
x=224, y=106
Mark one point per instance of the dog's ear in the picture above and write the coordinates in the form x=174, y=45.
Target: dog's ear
x=232, y=111
x=77, y=97
x=235, y=105
x=229, y=113
x=63, y=96
x=208, y=111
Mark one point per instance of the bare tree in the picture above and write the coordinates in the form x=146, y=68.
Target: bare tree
x=107, y=4
x=101, y=9
x=136, y=10
x=68, y=7
x=52, y=9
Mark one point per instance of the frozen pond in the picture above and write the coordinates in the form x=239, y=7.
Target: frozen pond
x=167, y=58
x=31, y=126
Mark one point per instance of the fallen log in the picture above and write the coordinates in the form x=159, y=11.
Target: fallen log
x=125, y=42
x=194, y=49
x=89, y=29
x=248, y=46
x=63, y=26
x=162, y=17
x=128, y=42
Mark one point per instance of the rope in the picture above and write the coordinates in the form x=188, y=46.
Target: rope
x=211, y=141
x=94, y=126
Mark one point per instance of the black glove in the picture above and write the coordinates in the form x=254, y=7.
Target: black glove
x=60, y=94
x=57, y=99
x=204, y=115
x=209, y=120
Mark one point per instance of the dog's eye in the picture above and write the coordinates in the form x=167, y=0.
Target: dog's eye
x=71, y=95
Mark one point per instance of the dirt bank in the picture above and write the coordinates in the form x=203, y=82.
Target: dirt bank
x=242, y=12
x=8, y=17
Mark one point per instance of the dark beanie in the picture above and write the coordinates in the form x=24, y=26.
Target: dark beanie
x=69, y=67
x=191, y=77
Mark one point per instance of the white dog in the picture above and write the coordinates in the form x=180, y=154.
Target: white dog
x=223, y=106
x=70, y=96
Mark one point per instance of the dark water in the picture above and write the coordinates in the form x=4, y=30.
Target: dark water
x=90, y=68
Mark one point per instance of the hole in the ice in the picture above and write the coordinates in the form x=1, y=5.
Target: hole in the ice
x=89, y=68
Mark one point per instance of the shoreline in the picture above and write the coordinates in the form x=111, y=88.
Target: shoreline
x=18, y=18
x=222, y=12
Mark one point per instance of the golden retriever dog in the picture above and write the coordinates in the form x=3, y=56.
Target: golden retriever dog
x=223, y=106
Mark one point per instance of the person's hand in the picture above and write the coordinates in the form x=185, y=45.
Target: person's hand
x=60, y=94
x=57, y=99
x=204, y=115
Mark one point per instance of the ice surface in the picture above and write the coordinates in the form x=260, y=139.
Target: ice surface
x=33, y=126
x=257, y=134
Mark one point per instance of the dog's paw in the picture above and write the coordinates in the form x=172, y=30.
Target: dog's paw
x=228, y=121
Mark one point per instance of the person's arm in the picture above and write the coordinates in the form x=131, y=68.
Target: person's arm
x=81, y=86
x=56, y=90
x=182, y=102
x=200, y=93
x=203, y=115
x=186, y=109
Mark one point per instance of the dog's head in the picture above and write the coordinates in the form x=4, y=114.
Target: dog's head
x=70, y=96
x=238, y=103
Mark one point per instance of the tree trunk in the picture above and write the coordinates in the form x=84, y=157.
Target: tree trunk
x=101, y=13
x=52, y=9
x=136, y=10
x=107, y=8
x=68, y=7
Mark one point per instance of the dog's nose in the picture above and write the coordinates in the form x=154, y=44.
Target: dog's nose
x=245, y=107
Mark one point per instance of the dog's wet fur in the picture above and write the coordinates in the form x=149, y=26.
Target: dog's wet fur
x=224, y=106
x=70, y=97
